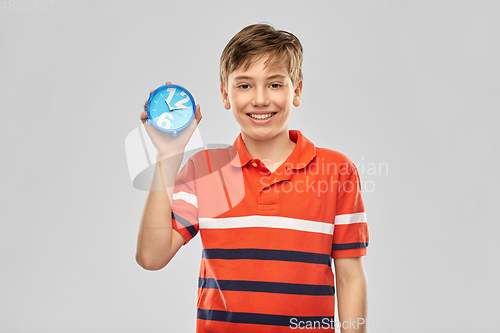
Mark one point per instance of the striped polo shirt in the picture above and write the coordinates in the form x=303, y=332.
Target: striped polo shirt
x=268, y=238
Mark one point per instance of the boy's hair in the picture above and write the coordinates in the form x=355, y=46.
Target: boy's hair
x=256, y=40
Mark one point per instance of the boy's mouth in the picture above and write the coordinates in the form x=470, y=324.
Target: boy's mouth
x=261, y=116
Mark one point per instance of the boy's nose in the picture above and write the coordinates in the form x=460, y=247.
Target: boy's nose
x=260, y=97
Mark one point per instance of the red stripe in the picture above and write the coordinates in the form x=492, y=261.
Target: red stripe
x=266, y=303
x=268, y=271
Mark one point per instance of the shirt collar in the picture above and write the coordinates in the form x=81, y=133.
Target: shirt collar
x=301, y=156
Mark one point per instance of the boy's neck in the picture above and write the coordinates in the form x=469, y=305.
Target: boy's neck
x=272, y=152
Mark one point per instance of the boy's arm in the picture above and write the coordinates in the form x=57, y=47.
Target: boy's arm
x=351, y=294
x=157, y=241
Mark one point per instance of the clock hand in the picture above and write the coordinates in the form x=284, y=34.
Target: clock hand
x=169, y=105
x=179, y=113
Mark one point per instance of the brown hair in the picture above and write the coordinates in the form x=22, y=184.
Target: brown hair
x=256, y=40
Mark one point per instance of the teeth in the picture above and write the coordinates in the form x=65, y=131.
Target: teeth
x=261, y=116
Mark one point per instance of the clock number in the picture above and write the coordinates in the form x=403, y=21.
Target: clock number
x=180, y=103
x=171, y=92
x=163, y=121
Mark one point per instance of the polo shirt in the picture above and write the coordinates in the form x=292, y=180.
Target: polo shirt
x=268, y=238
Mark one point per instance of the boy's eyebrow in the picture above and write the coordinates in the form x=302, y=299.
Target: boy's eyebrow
x=277, y=76
x=243, y=77
x=272, y=77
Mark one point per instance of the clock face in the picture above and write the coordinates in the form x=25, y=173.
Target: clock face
x=170, y=108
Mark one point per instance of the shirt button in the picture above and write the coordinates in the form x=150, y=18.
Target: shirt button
x=254, y=164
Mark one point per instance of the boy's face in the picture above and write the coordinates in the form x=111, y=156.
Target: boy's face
x=259, y=92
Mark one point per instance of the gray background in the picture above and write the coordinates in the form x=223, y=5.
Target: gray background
x=407, y=86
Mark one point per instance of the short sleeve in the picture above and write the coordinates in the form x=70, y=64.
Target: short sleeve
x=350, y=233
x=185, y=203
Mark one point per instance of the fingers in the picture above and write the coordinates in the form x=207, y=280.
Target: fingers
x=144, y=117
x=144, y=114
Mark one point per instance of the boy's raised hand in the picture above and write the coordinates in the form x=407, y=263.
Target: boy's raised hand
x=166, y=144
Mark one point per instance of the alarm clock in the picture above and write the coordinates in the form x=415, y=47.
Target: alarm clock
x=170, y=108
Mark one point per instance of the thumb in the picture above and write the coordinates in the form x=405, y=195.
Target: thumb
x=197, y=114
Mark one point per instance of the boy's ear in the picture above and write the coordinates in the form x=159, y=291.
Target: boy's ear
x=297, y=94
x=225, y=98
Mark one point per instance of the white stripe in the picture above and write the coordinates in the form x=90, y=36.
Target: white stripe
x=189, y=198
x=266, y=222
x=350, y=218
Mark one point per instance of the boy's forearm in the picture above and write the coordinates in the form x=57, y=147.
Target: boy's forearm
x=154, y=242
x=352, y=305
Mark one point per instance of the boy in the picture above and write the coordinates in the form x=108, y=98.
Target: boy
x=272, y=209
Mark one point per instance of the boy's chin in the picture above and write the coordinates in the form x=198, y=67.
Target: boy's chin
x=262, y=134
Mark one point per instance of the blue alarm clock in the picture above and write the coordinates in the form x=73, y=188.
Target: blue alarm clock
x=170, y=108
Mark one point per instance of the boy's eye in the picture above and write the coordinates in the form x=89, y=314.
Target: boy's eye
x=244, y=86
x=275, y=85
